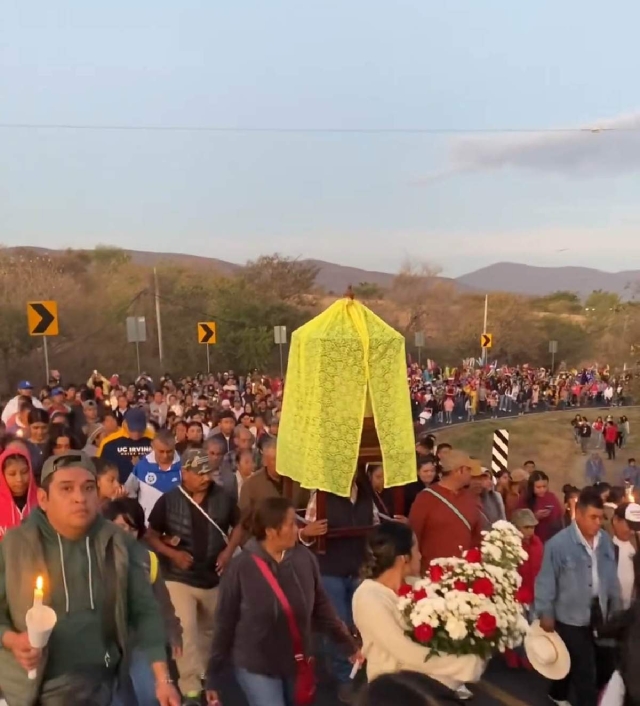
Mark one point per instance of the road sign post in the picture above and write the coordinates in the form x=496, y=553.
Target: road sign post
x=553, y=349
x=419, y=344
x=42, y=320
x=207, y=334
x=137, y=333
x=45, y=348
x=280, y=338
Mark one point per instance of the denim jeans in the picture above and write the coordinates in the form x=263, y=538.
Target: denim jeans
x=582, y=675
x=141, y=684
x=340, y=591
x=91, y=687
x=261, y=690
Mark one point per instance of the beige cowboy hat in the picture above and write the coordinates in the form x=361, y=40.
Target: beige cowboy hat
x=547, y=652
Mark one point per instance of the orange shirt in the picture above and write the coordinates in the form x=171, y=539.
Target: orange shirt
x=440, y=532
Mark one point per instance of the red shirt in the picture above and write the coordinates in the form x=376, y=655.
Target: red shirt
x=440, y=532
x=531, y=567
x=611, y=433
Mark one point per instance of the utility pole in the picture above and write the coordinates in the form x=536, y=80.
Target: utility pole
x=158, y=320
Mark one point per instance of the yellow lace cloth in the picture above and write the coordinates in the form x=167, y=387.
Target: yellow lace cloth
x=340, y=362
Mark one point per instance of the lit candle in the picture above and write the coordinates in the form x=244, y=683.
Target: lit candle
x=630, y=498
x=38, y=594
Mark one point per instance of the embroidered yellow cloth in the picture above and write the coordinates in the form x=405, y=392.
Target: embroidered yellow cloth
x=345, y=364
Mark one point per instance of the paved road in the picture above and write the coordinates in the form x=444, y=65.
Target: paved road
x=500, y=686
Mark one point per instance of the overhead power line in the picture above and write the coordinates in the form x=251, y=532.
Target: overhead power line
x=311, y=130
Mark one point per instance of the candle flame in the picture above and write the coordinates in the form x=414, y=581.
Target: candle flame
x=630, y=496
x=39, y=583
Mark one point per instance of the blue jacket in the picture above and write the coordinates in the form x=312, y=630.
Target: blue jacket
x=563, y=586
x=631, y=474
x=595, y=470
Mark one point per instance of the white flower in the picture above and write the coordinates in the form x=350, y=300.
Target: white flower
x=456, y=628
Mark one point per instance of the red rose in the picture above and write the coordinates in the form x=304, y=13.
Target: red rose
x=474, y=556
x=423, y=633
x=436, y=573
x=404, y=590
x=524, y=595
x=486, y=624
x=419, y=595
x=460, y=585
x=483, y=587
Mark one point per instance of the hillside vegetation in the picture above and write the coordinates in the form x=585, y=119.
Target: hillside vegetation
x=96, y=290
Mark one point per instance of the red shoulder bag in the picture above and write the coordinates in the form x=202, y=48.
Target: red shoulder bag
x=305, y=684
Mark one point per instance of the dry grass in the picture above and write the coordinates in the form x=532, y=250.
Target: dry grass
x=546, y=439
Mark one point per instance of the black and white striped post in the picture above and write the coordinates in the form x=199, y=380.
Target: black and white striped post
x=500, y=452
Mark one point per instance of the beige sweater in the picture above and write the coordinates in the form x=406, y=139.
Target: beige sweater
x=388, y=649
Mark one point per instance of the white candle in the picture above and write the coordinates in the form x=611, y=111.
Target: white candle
x=38, y=594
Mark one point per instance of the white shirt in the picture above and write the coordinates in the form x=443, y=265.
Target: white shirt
x=595, y=578
x=388, y=649
x=13, y=405
x=625, y=570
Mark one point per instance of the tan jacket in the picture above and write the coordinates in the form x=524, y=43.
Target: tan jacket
x=260, y=487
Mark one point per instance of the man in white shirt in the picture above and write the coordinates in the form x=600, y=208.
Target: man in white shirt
x=25, y=389
x=625, y=524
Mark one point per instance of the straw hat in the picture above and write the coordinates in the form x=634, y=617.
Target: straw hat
x=547, y=652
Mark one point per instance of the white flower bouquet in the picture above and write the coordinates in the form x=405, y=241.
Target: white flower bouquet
x=470, y=605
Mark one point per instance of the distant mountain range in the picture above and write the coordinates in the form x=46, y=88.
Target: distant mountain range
x=503, y=276
x=525, y=279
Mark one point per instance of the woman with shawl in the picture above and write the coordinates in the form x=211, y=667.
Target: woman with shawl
x=18, y=495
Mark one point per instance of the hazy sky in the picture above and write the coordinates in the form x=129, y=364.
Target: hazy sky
x=459, y=199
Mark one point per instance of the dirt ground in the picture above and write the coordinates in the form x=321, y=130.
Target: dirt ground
x=548, y=440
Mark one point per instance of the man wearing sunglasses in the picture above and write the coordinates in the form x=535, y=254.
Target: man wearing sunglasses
x=96, y=582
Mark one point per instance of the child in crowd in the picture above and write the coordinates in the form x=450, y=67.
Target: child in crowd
x=526, y=523
x=18, y=495
x=109, y=487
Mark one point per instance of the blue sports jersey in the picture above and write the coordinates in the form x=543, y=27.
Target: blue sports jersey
x=147, y=483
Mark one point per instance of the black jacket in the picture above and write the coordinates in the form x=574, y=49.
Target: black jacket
x=251, y=629
x=625, y=628
x=345, y=555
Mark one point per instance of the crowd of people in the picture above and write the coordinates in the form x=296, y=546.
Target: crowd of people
x=444, y=396
x=168, y=540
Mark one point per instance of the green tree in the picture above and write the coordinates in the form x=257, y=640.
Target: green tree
x=602, y=304
x=575, y=345
x=368, y=290
x=561, y=302
x=284, y=278
x=109, y=257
